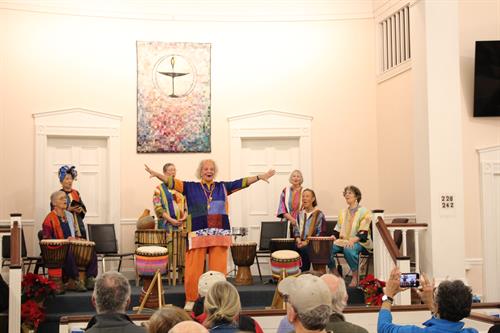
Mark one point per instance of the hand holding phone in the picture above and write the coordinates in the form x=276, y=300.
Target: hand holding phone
x=409, y=280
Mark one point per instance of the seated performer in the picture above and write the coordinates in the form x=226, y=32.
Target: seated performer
x=353, y=227
x=208, y=221
x=59, y=224
x=310, y=223
x=74, y=204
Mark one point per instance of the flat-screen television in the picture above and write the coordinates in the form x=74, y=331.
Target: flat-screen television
x=487, y=79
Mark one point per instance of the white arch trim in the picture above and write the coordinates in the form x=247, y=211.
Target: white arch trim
x=267, y=124
x=77, y=122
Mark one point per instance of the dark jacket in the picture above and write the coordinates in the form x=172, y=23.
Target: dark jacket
x=225, y=328
x=113, y=323
x=337, y=324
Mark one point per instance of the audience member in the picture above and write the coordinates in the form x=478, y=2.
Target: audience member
x=111, y=298
x=164, y=319
x=188, y=327
x=339, y=302
x=223, y=307
x=206, y=281
x=308, y=302
x=337, y=322
x=451, y=304
x=245, y=323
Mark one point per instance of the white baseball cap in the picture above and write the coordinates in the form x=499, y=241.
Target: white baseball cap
x=207, y=280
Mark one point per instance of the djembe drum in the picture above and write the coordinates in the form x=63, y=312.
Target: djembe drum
x=277, y=244
x=319, y=249
x=149, y=260
x=283, y=263
x=54, y=252
x=158, y=237
x=243, y=257
x=82, y=251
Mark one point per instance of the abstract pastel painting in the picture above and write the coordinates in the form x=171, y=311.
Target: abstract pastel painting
x=173, y=97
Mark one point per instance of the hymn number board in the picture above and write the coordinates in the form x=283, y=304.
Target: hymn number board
x=447, y=204
x=447, y=201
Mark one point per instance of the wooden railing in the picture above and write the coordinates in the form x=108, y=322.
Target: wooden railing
x=386, y=255
x=389, y=242
x=405, y=227
x=15, y=246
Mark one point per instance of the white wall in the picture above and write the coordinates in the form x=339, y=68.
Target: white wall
x=318, y=68
x=479, y=20
x=395, y=127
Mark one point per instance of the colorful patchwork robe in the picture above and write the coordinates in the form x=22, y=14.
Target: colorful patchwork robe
x=360, y=226
x=208, y=220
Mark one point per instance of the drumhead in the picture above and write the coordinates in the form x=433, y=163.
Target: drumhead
x=54, y=241
x=151, y=251
x=284, y=254
x=81, y=242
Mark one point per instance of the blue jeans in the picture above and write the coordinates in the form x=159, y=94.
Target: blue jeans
x=351, y=255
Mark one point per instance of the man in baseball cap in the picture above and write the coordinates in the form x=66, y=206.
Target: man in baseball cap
x=308, y=302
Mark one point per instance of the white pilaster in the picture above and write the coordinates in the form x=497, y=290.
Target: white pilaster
x=438, y=135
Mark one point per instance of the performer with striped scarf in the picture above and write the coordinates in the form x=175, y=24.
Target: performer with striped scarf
x=291, y=200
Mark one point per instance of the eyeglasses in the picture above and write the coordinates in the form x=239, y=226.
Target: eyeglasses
x=346, y=193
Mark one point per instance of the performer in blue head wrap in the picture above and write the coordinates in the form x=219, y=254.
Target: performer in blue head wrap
x=69, y=225
x=67, y=174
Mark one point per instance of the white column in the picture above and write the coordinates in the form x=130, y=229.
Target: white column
x=417, y=252
x=404, y=297
x=438, y=135
x=403, y=242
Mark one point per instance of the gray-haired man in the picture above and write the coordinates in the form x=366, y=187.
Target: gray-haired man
x=111, y=298
x=308, y=302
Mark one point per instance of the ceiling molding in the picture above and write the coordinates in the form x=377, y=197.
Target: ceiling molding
x=203, y=10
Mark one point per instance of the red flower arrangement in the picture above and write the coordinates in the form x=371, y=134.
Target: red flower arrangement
x=32, y=314
x=373, y=289
x=35, y=290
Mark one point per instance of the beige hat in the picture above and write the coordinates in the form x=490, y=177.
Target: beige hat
x=305, y=292
x=207, y=280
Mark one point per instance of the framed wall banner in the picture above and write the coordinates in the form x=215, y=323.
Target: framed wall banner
x=173, y=97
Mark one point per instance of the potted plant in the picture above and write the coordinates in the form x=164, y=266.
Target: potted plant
x=35, y=290
x=373, y=289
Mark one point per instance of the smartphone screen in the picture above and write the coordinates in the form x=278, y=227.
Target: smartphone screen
x=409, y=280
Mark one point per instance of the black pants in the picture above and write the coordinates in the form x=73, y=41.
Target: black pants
x=304, y=255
